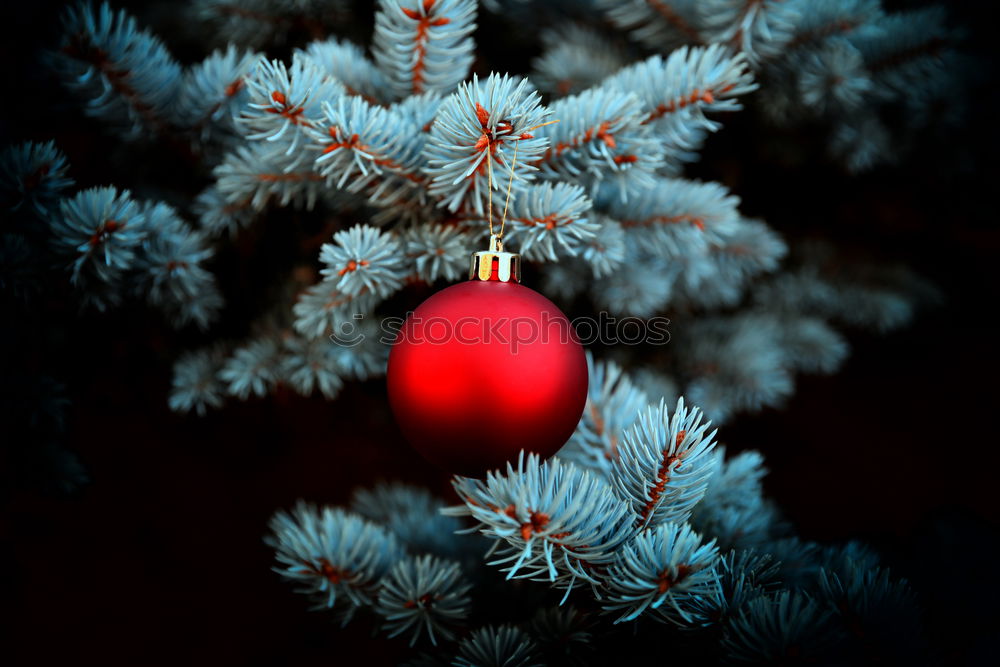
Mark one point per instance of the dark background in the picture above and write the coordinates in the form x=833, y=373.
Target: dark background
x=159, y=559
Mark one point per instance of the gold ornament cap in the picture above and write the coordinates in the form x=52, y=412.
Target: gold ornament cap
x=495, y=264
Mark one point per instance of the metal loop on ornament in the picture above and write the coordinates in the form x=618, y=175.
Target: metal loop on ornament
x=495, y=264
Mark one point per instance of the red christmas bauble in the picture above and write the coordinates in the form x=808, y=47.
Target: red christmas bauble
x=484, y=369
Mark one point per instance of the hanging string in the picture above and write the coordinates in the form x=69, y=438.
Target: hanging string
x=489, y=190
x=510, y=183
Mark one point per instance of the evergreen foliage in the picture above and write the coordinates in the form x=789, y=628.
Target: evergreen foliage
x=741, y=588
x=404, y=140
x=405, y=149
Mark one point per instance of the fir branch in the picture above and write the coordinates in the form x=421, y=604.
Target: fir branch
x=253, y=368
x=548, y=220
x=605, y=252
x=124, y=75
x=218, y=217
x=677, y=92
x=33, y=177
x=309, y=364
x=833, y=78
x=171, y=271
x=678, y=217
x=363, y=259
x=360, y=351
x=503, y=646
x=658, y=24
x=600, y=138
x=821, y=19
x=285, y=101
x=438, y=251
x=323, y=308
x=255, y=175
x=99, y=232
x=576, y=58
x=769, y=627
x=423, y=596
x=736, y=365
x=332, y=554
x=424, y=45
x=719, y=276
x=879, y=614
x=744, y=576
x=483, y=119
x=346, y=62
x=196, y=383
x=563, y=633
x=733, y=509
x=414, y=516
x=357, y=140
x=550, y=521
x=214, y=91
x=660, y=570
x=813, y=346
x=758, y=28
x=267, y=22
x=613, y=404
x=663, y=464
x=645, y=288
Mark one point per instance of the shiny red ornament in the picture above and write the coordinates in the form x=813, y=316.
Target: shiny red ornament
x=484, y=369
